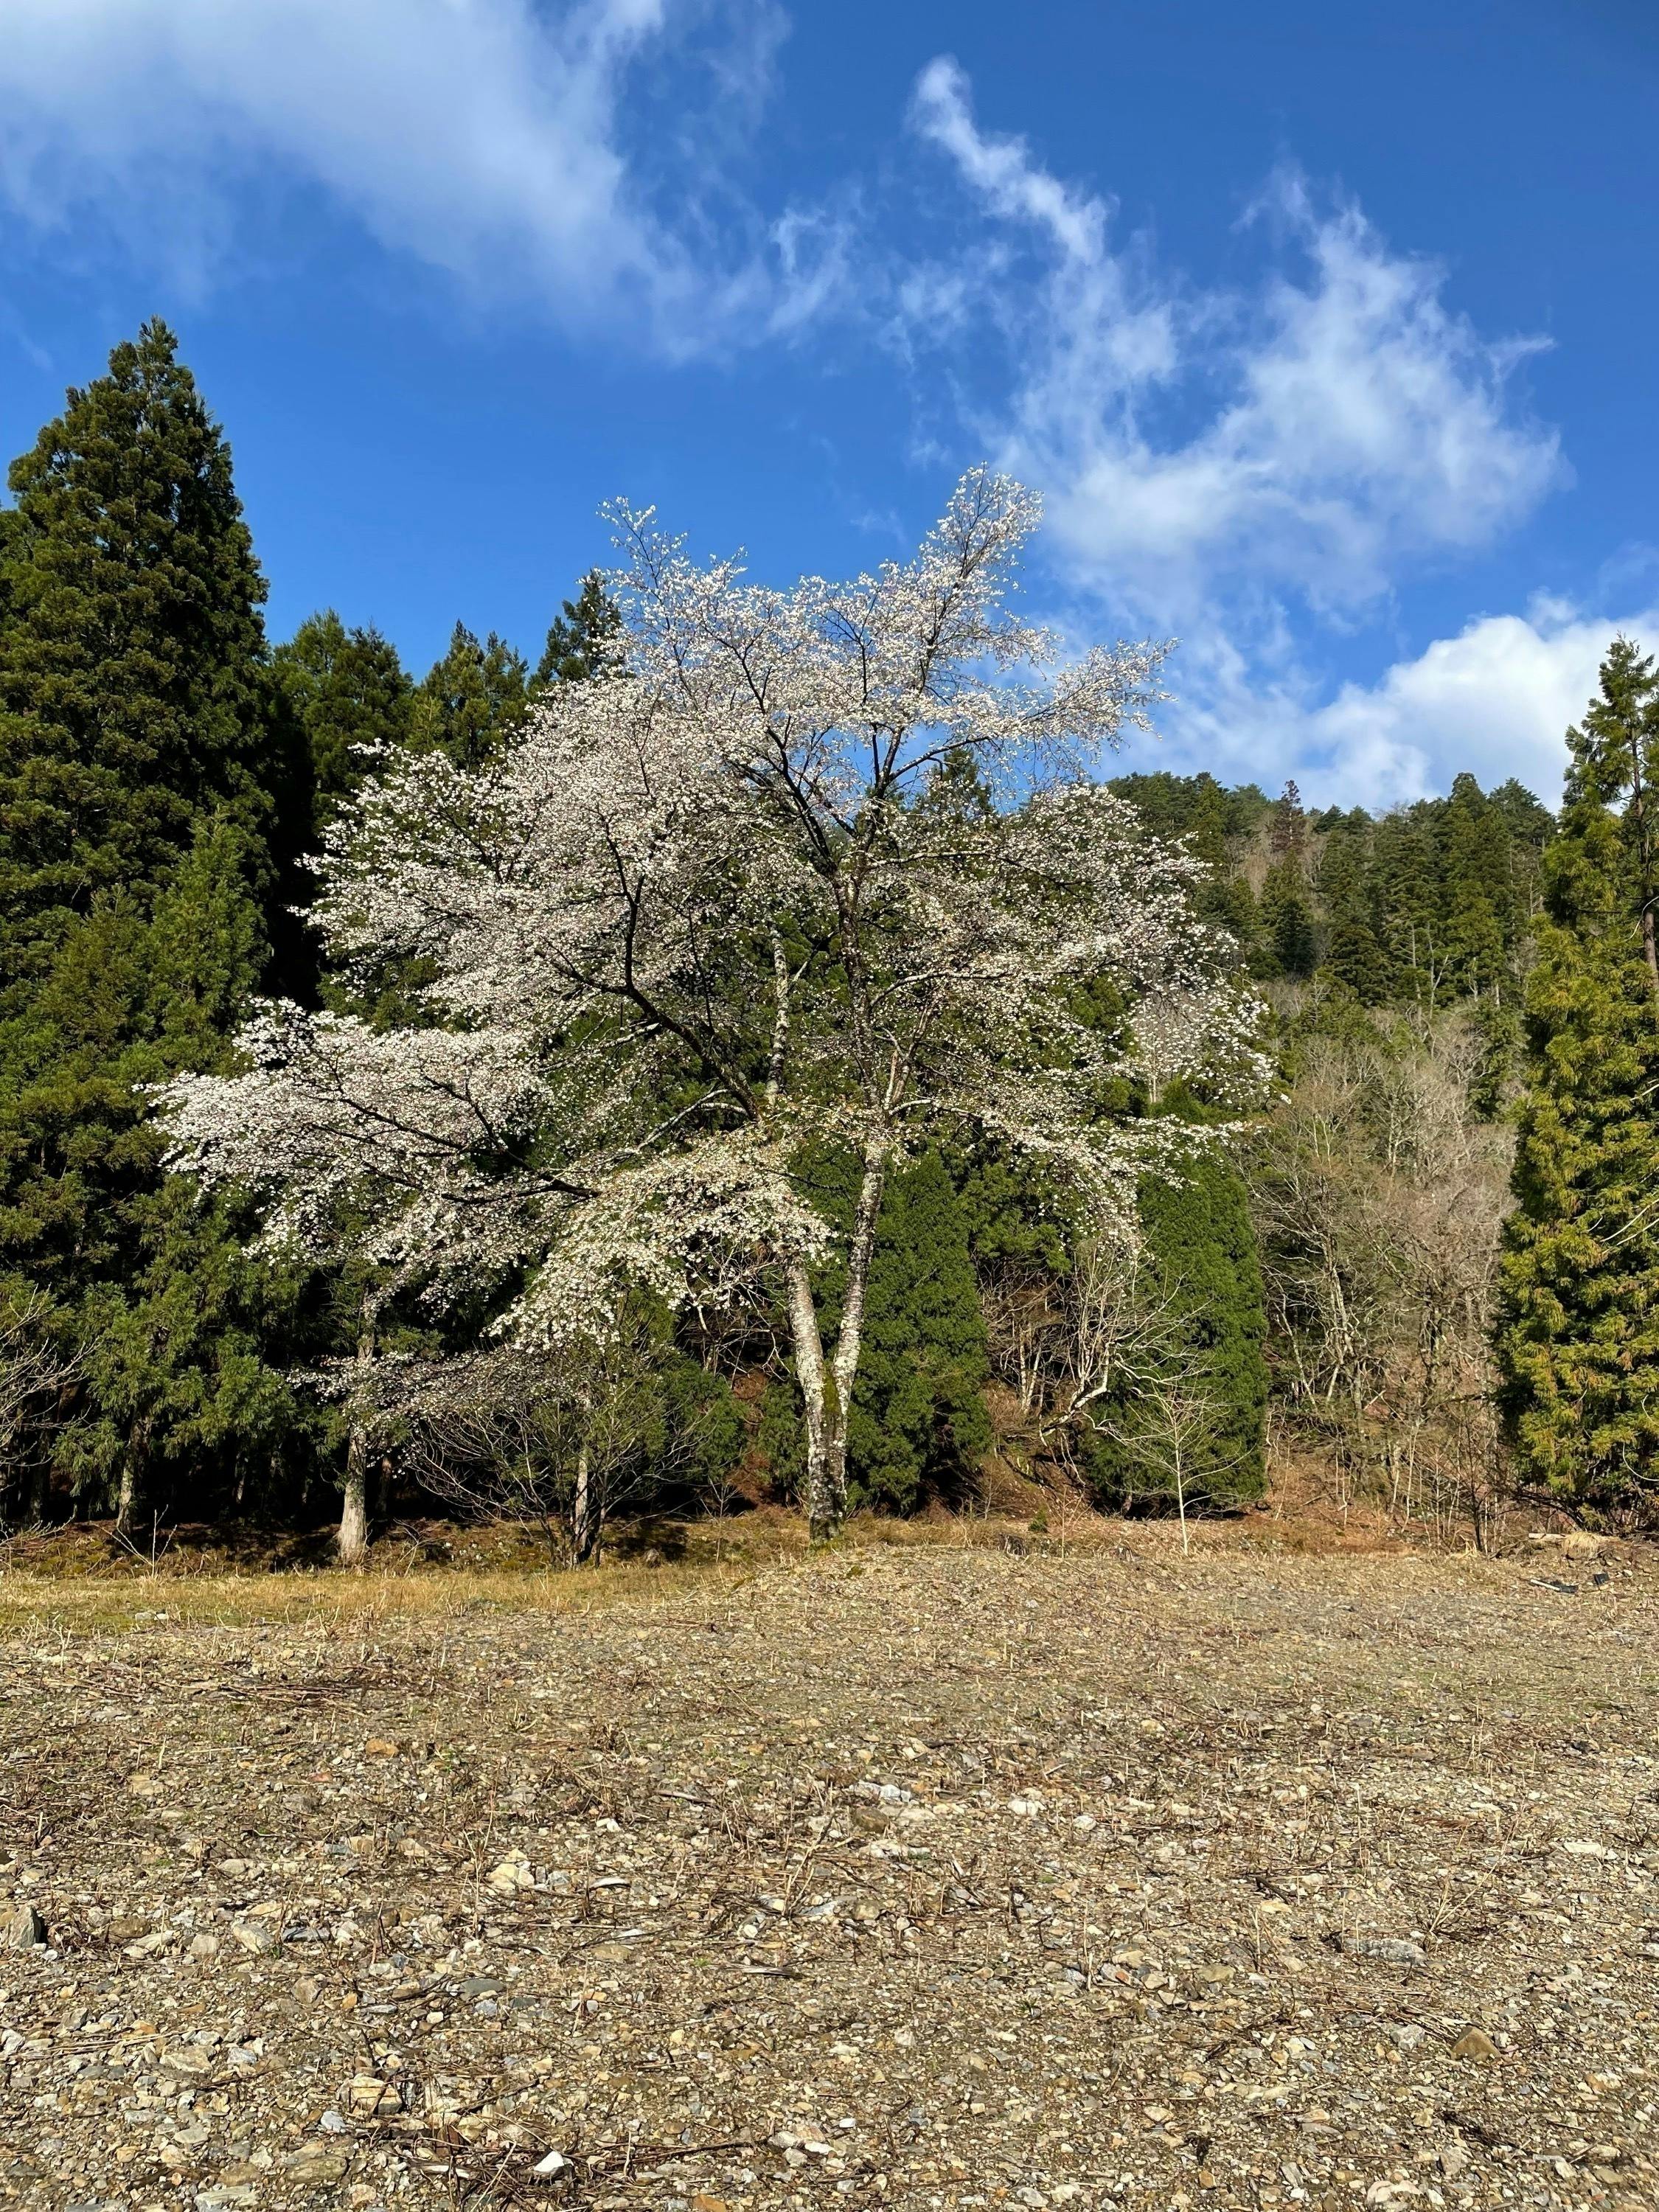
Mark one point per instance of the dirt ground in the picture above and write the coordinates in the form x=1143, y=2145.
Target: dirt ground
x=929, y=1877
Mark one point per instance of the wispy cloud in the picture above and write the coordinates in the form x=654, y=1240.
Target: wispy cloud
x=1307, y=438
x=487, y=138
x=1248, y=465
x=1254, y=466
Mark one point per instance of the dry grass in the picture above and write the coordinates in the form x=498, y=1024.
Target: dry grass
x=918, y=1874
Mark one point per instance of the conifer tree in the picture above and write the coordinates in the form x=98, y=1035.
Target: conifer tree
x=470, y=700
x=1579, y=1333
x=1479, y=888
x=1287, y=828
x=1203, y=1274
x=918, y=1422
x=146, y=807
x=578, y=638
x=349, y=693
x=133, y=696
x=1354, y=953
x=1408, y=865
x=1288, y=944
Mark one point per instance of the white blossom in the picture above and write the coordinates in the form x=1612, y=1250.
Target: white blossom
x=822, y=865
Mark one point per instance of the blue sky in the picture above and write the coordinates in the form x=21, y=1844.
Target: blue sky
x=1328, y=333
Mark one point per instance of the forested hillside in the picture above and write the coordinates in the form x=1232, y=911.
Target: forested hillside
x=575, y=1085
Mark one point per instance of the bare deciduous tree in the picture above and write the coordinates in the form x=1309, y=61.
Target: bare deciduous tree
x=37, y=1374
x=1378, y=1196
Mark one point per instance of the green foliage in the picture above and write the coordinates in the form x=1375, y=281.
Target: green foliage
x=1578, y=1333
x=779, y=1445
x=348, y=692
x=705, y=1435
x=151, y=812
x=472, y=699
x=1202, y=1274
x=578, y=638
x=133, y=696
x=1288, y=944
x=1430, y=904
x=918, y=1423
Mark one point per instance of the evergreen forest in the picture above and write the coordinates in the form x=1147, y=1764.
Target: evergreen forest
x=1421, y=1273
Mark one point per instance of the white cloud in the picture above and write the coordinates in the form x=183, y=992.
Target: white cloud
x=1249, y=467
x=1196, y=445
x=484, y=136
x=1497, y=700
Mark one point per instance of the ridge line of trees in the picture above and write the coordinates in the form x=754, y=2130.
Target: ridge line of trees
x=1025, y=1241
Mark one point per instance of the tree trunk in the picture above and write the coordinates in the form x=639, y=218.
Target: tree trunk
x=584, y=1508
x=126, y=1499
x=828, y=1396
x=37, y=1494
x=351, y=1544
x=850, y=1342
x=826, y=1504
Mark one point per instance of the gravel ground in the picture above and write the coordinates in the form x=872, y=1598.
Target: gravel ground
x=928, y=1878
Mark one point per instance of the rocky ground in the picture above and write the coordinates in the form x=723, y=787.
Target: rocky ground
x=932, y=1878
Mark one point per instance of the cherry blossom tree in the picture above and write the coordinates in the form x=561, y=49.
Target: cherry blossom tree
x=798, y=868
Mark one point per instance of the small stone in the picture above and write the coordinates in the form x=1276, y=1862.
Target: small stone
x=203, y=1947
x=256, y=1934
x=1454, y=2161
x=317, y=2162
x=27, y=1930
x=1474, y=2042
x=368, y=2096
x=1392, y=1950
x=511, y=1876
x=553, y=2171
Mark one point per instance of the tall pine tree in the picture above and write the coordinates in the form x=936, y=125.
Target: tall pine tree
x=133, y=694
x=146, y=810
x=1578, y=1332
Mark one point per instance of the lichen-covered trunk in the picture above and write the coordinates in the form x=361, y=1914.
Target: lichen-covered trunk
x=826, y=1387
x=351, y=1544
x=824, y=1509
